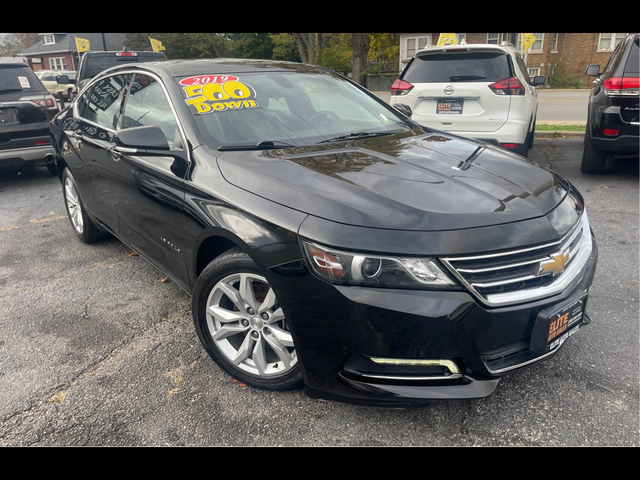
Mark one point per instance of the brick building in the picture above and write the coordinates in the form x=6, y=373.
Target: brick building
x=564, y=54
x=58, y=51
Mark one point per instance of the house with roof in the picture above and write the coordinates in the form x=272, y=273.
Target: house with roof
x=59, y=51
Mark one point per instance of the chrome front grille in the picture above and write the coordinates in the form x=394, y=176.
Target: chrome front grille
x=526, y=274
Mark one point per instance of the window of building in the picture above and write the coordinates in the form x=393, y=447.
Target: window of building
x=554, y=43
x=493, y=38
x=608, y=41
x=533, y=71
x=58, y=63
x=413, y=44
x=49, y=39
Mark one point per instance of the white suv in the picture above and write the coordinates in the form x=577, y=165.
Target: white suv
x=480, y=91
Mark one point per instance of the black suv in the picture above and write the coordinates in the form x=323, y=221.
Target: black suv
x=93, y=63
x=25, y=110
x=612, y=119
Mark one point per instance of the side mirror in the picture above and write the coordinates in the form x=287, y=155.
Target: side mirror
x=538, y=81
x=63, y=80
x=403, y=109
x=593, y=71
x=147, y=138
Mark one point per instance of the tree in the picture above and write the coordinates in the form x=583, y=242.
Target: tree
x=384, y=52
x=361, y=46
x=285, y=47
x=182, y=45
x=306, y=46
x=9, y=44
x=28, y=39
x=335, y=51
x=250, y=45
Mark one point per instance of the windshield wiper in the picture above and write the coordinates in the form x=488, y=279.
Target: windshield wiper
x=262, y=145
x=355, y=135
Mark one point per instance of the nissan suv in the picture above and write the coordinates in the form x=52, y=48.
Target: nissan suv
x=481, y=91
x=613, y=124
x=25, y=110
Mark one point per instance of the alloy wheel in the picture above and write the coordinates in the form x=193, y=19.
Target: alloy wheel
x=248, y=326
x=73, y=205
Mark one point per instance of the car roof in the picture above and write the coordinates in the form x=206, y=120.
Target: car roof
x=179, y=68
x=55, y=71
x=19, y=60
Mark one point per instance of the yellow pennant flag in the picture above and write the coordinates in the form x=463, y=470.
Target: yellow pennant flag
x=156, y=45
x=447, y=39
x=82, y=44
x=527, y=40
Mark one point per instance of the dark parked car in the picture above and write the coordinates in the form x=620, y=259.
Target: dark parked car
x=93, y=63
x=25, y=110
x=325, y=238
x=613, y=117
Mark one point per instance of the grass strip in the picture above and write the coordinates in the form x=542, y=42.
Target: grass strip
x=560, y=128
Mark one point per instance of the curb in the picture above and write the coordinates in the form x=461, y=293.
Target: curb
x=559, y=134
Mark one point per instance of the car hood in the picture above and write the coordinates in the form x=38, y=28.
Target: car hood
x=429, y=182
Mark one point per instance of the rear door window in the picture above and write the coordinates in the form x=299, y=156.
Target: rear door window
x=104, y=100
x=458, y=67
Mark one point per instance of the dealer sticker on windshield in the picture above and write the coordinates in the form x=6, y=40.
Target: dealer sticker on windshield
x=218, y=93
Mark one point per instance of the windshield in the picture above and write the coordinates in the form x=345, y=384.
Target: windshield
x=283, y=109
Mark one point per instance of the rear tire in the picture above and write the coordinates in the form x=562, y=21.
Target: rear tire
x=83, y=226
x=593, y=161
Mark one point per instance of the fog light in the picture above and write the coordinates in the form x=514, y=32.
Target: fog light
x=449, y=364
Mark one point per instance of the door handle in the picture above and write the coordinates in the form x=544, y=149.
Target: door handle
x=115, y=155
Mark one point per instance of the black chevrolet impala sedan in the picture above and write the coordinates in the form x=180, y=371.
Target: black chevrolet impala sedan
x=325, y=238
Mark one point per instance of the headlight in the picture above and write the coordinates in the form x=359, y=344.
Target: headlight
x=349, y=268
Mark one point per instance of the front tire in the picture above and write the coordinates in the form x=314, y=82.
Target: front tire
x=242, y=326
x=83, y=226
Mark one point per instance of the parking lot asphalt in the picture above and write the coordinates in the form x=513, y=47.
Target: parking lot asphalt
x=97, y=350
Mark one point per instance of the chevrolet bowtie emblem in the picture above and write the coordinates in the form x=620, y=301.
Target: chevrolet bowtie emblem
x=555, y=265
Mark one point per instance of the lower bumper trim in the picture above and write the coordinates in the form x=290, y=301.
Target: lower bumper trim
x=404, y=396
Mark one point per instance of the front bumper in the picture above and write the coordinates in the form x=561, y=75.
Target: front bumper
x=368, y=346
